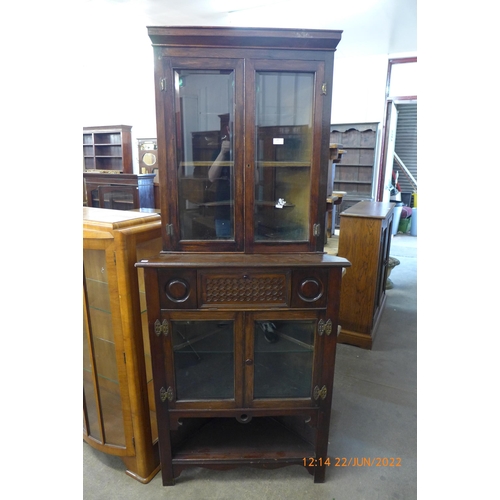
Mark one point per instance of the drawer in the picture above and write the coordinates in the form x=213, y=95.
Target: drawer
x=243, y=288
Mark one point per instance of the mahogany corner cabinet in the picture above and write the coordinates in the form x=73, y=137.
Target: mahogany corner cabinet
x=242, y=301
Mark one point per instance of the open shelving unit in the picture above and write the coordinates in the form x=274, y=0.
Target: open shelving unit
x=108, y=148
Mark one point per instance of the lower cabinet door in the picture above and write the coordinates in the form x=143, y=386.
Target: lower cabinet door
x=224, y=360
x=203, y=359
x=280, y=360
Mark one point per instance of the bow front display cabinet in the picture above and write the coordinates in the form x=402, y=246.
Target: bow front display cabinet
x=242, y=301
x=119, y=415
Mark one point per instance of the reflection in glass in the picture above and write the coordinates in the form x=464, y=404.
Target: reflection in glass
x=284, y=120
x=99, y=354
x=283, y=359
x=205, y=103
x=203, y=359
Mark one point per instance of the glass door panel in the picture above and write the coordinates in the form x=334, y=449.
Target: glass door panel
x=104, y=416
x=283, y=155
x=203, y=359
x=205, y=103
x=283, y=358
x=118, y=198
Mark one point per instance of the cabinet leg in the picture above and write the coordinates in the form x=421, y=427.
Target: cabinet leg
x=168, y=481
x=167, y=476
x=319, y=474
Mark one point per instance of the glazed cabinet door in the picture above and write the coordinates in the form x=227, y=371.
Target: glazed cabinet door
x=224, y=360
x=119, y=197
x=201, y=153
x=203, y=359
x=106, y=398
x=240, y=171
x=384, y=251
x=284, y=112
x=282, y=364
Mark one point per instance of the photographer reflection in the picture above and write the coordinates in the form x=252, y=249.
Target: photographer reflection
x=220, y=175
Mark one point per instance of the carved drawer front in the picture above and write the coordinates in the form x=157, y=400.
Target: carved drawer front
x=177, y=288
x=309, y=288
x=244, y=288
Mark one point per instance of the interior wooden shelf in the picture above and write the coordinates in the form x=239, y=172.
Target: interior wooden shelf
x=343, y=181
x=356, y=165
x=227, y=440
x=259, y=163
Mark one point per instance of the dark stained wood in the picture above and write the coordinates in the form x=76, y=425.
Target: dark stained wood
x=108, y=147
x=236, y=286
x=325, y=271
x=244, y=37
x=197, y=260
x=138, y=188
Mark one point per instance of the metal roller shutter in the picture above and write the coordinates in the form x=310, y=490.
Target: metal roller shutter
x=406, y=144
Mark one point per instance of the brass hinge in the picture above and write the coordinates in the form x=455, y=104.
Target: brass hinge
x=323, y=88
x=163, y=84
x=324, y=327
x=316, y=229
x=169, y=228
x=166, y=394
x=319, y=393
x=161, y=327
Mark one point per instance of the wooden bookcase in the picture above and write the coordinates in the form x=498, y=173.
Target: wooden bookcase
x=365, y=240
x=108, y=148
x=242, y=301
x=118, y=405
x=355, y=175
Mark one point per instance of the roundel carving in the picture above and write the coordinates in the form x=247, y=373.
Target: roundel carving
x=177, y=290
x=310, y=290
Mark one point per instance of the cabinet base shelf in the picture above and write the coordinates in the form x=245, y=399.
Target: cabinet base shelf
x=225, y=443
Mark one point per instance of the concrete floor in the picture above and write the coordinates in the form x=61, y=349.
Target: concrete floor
x=374, y=416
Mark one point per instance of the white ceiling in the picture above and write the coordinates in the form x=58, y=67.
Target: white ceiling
x=370, y=26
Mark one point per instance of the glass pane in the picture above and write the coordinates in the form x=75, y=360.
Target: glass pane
x=204, y=359
x=205, y=153
x=119, y=199
x=283, y=359
x=284, y=125
x=88, y=389
x=99, y=354
x=94, y=201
